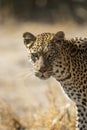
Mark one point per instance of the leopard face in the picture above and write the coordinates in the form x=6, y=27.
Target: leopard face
x=43, y=52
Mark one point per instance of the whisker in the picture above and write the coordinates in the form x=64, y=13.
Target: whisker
x=25, y=73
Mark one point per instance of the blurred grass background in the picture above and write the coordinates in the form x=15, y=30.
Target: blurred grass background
x=26, y=102
x=47, y=10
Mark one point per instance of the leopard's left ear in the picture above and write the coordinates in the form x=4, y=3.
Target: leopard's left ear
x=59, y=36
x=29, y=39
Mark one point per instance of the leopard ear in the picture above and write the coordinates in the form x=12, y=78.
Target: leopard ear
x=28, y=39
x=59, y=36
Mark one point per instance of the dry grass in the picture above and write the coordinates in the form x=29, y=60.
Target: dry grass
x=53, y=118
x=8, y=119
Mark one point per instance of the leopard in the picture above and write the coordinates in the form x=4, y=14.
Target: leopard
x=65, y=59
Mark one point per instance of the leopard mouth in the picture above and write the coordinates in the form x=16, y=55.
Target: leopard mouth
x=43, y=76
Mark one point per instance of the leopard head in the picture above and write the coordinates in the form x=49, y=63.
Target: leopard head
x=44, y=49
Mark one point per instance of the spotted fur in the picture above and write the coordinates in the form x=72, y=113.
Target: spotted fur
x=66, y=60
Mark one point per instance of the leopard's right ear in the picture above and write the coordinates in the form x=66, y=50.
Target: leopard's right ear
x=28, y=39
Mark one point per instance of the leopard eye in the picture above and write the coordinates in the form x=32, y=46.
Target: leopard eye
x=34, y=57
x=49, y=57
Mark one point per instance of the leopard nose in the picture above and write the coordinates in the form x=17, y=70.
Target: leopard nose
x=42, y=70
